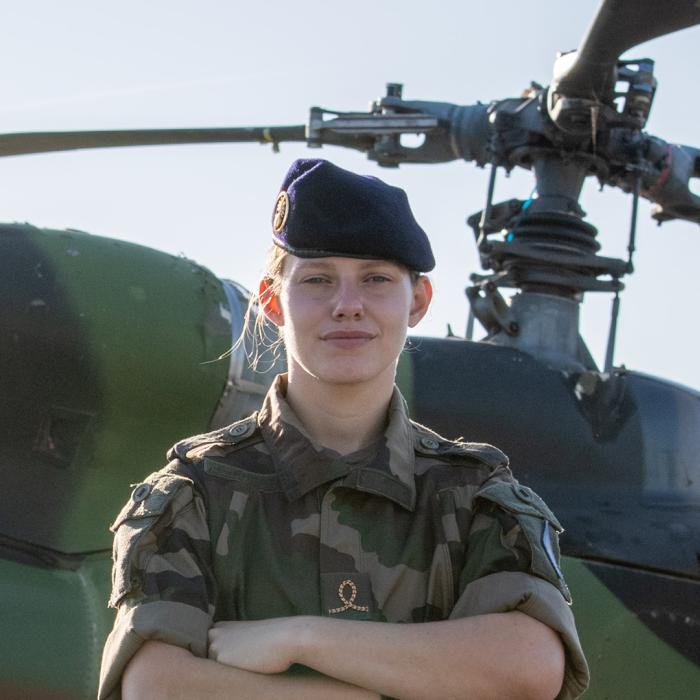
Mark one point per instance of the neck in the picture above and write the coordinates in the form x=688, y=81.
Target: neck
x=342, y=417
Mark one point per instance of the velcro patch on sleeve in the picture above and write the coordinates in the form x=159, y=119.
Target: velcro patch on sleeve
x=142, y=511
x=150, y=498
x=537, y=522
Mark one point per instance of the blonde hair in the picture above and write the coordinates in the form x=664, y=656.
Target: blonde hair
x=260, y=338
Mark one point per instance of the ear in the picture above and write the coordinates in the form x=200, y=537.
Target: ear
x=422, y=295
x=270, y=303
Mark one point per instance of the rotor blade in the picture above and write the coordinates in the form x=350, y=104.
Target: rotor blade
x=618, y=26
x=45, y=142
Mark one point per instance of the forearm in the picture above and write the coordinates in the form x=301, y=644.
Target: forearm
x=506, y=655
x=160, y=670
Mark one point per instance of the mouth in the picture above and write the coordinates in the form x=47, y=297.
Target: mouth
x=348, y=339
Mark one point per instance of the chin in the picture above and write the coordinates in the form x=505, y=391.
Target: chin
x=347, y=373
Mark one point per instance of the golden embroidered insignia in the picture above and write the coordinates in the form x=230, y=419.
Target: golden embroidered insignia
x=279, y=218
x=348, y=603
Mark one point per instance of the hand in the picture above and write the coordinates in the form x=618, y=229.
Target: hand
x=262, y=646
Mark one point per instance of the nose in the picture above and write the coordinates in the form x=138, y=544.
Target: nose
x=348, y=301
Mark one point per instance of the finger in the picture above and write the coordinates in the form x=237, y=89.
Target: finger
x=212, y=652
x=222, y=624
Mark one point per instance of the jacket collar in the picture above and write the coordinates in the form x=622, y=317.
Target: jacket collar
x=386, y=469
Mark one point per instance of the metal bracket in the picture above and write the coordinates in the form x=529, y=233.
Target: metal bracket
x=365, y=124
x=491, y=309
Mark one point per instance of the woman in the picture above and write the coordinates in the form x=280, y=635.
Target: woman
x=327, y=546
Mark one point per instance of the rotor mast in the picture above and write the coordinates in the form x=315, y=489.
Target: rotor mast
x=548, y=252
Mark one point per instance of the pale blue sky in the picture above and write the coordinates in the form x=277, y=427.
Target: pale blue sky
x=99, y=65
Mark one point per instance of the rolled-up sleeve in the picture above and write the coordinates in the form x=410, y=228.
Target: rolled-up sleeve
x=511, y=590
x=512, y=563
x=162, y=584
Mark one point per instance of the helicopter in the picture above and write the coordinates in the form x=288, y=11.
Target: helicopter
x=631, y=546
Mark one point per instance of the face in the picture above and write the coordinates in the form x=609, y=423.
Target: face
x=345, y=320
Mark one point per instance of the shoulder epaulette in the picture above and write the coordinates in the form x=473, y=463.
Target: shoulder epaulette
x=428, y=442
x=197, y=446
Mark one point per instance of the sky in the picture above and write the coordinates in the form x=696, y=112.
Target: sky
x=173, y=63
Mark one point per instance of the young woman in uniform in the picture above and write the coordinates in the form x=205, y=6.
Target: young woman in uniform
x=327, y=546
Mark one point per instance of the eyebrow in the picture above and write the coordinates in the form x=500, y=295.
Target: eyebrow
x=313, y=262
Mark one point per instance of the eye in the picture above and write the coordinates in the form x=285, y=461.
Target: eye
x=315, y=279
x=378, y=278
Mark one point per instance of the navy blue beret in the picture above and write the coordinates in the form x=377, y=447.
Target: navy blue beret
x=323, y=210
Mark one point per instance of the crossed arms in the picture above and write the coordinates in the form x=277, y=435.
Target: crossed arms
x=501, y=655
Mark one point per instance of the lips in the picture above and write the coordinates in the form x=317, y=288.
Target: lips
x=347, y=335
x=348, y=340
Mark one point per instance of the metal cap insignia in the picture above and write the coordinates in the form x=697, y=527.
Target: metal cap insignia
x=279, y=218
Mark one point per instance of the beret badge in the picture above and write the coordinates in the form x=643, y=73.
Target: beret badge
x=279, y=218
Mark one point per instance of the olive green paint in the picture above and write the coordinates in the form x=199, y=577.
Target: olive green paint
x=54, y=623
x=151, y=321
x=404, y=377
x=627, y=660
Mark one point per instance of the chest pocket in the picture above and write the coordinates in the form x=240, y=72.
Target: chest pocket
x=539, y=525
x=134, y=540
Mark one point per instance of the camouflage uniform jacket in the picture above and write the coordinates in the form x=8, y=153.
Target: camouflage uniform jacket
x=255, y=521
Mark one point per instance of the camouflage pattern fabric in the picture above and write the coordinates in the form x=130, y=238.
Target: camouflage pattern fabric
x=255, y=521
